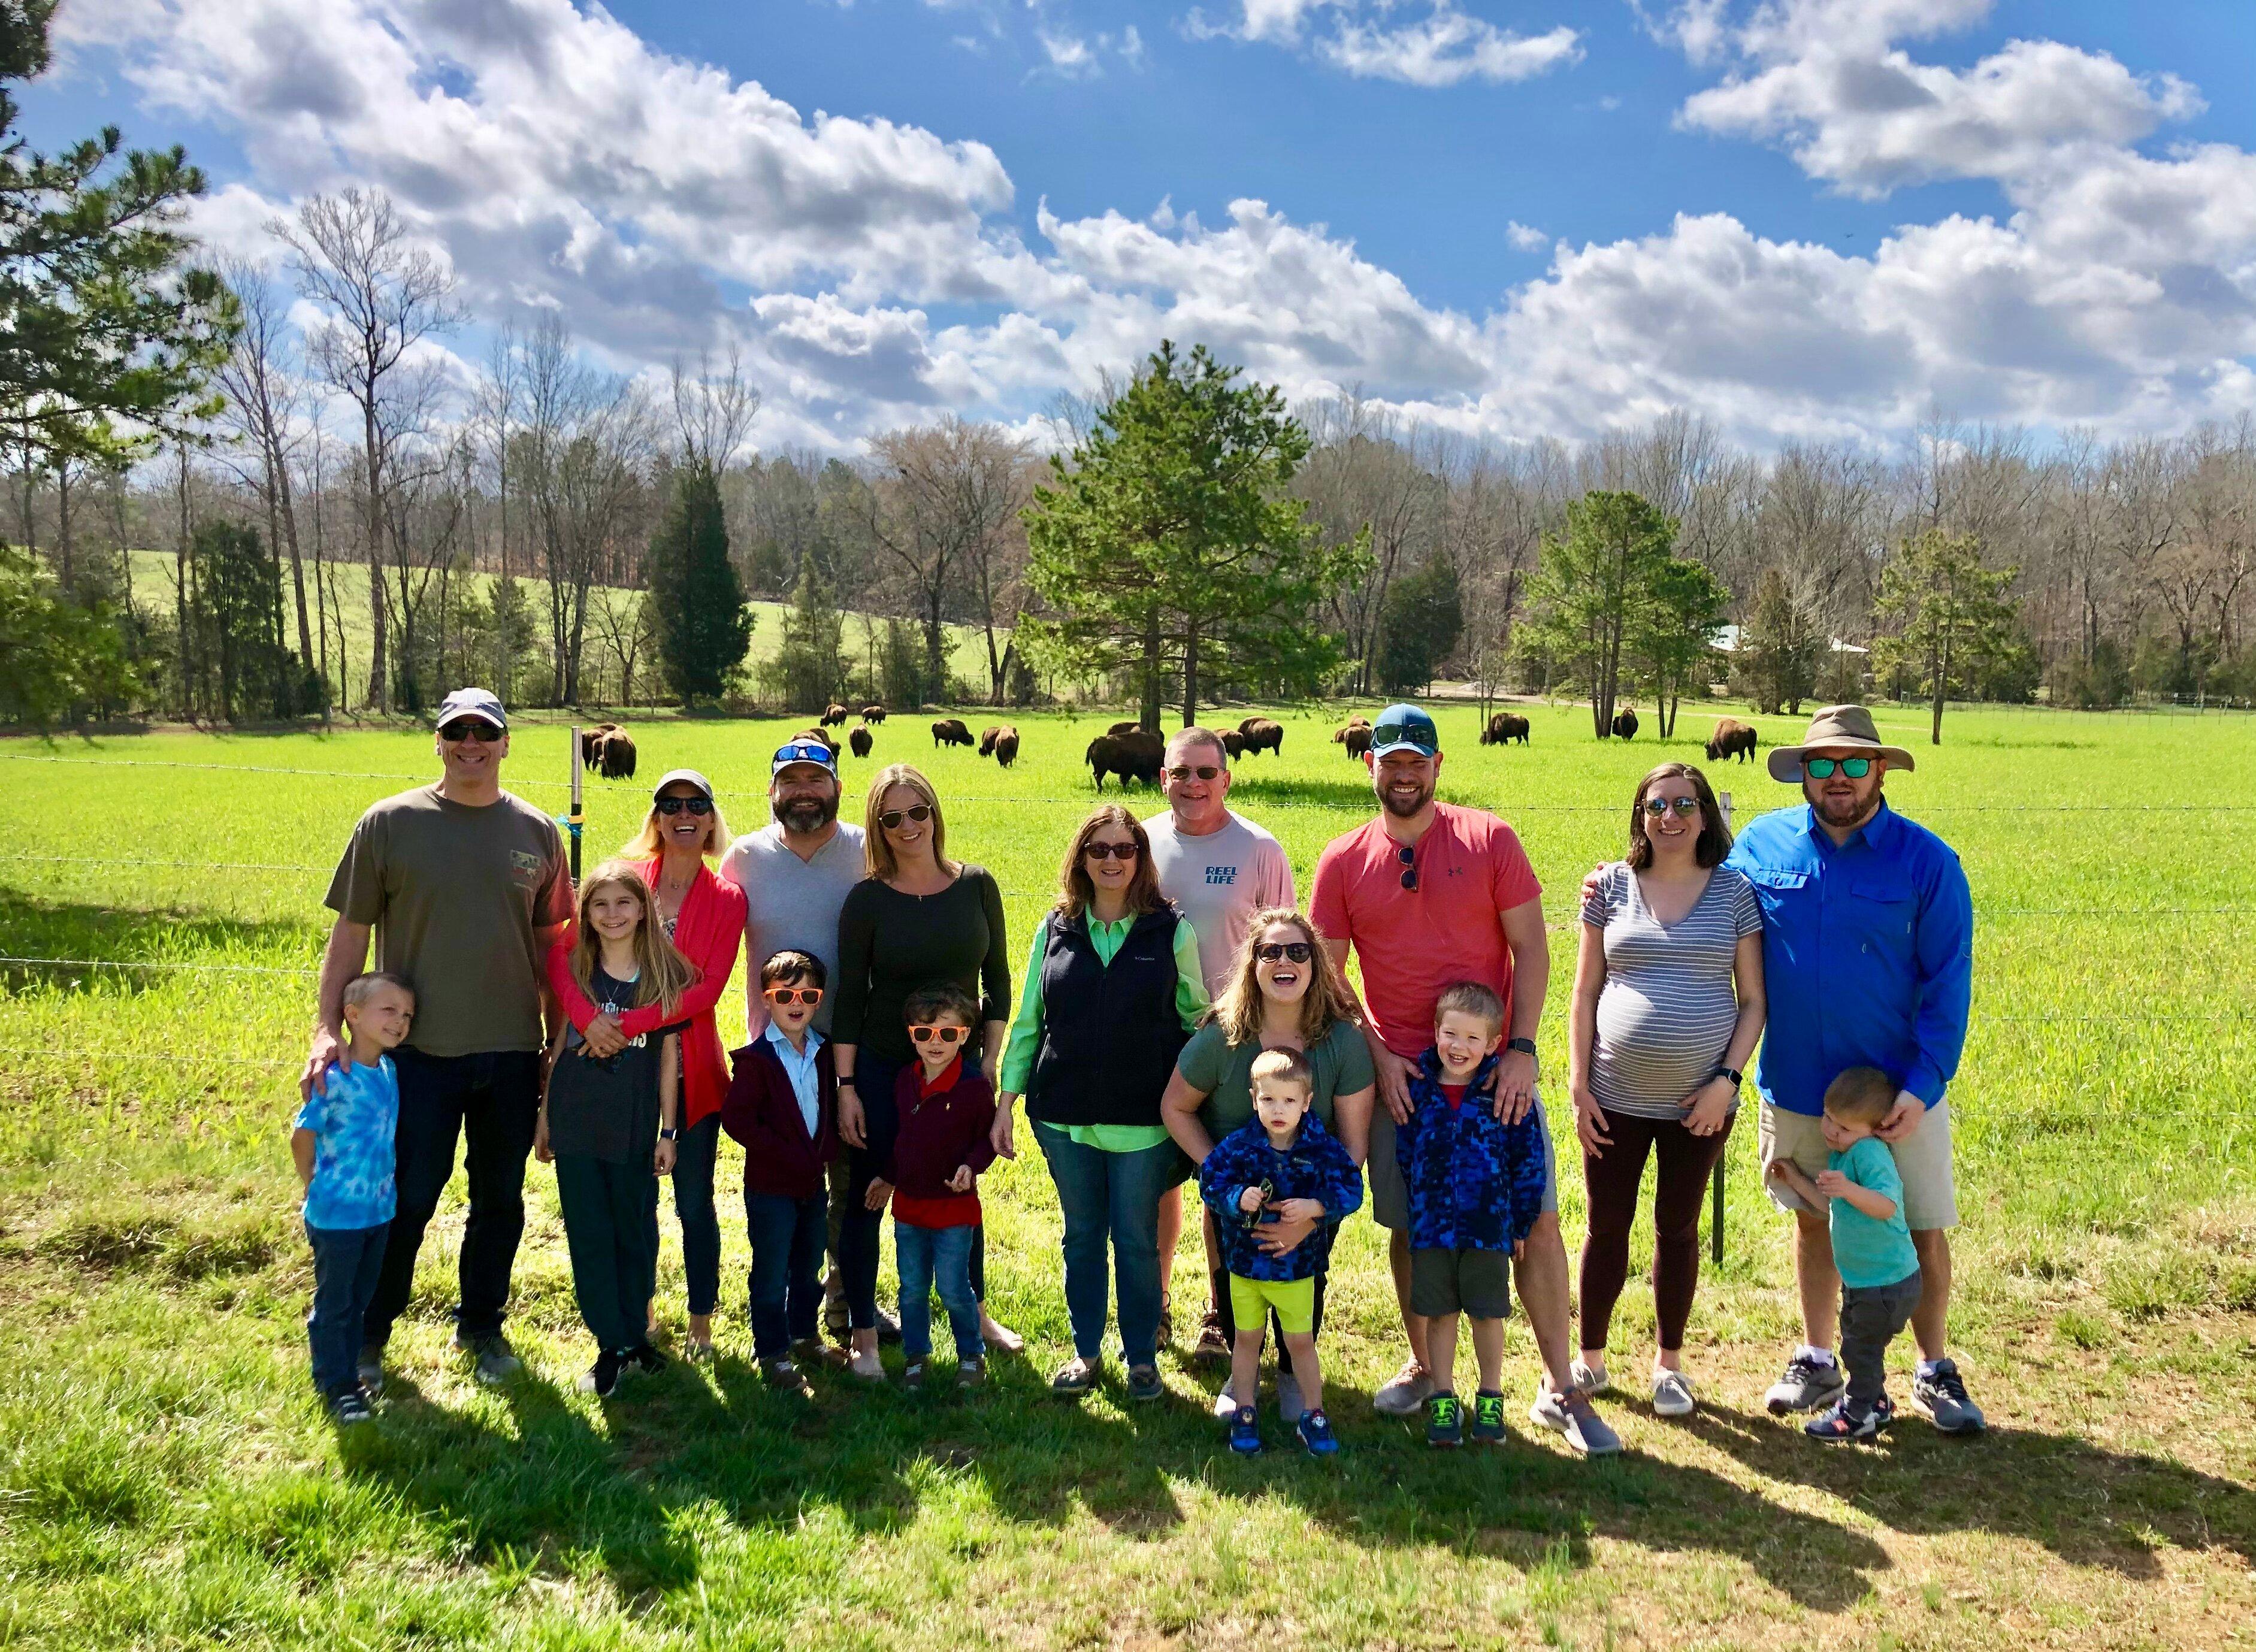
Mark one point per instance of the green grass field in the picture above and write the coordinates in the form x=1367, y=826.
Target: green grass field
x=166, y=1479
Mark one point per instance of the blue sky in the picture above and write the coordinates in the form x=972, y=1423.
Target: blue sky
x=1803, y=217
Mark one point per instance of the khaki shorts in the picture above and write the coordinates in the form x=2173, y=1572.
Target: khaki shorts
x=1923, y=1159
x=1390, y=1194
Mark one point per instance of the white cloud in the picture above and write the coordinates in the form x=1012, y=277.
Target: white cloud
x=1448, y=46
x=1526, y=238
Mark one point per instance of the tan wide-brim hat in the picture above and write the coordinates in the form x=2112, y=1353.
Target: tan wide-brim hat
x=1835, y=727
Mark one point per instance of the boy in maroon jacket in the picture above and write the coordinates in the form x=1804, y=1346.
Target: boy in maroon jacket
x=938, y=1153
x=782, y=1104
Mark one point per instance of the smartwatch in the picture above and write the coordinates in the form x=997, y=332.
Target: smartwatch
x=1526, y=1046
x=846, y=1083
x=669, y=1135
x=1732, y=1073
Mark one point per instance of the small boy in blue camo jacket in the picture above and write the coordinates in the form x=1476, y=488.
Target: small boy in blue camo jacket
x=1476, y=1186
x=1282, y=1166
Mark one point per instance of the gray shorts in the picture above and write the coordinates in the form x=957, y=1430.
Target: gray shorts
x=1450, y=1281
x=1390, y=1195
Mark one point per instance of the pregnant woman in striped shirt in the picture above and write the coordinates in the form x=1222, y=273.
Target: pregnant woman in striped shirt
x=1668, y=1004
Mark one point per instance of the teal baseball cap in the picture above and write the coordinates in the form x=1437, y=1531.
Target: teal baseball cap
x=1403, y=729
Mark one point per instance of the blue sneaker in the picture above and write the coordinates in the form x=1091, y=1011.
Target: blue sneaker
x=1315, y=1431
x=1244, y=1437
x=1445, y=1420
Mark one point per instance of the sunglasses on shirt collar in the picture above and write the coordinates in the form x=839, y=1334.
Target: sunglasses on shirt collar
x=1409, y=856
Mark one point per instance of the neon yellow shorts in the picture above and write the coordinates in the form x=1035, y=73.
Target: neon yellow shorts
x=1294, y=1299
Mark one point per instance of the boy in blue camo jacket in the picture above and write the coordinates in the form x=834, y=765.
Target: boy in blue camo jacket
x=1281, y=1166
x=1476, y=1186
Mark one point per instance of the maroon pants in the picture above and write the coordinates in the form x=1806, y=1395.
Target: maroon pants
x=1613, y=1182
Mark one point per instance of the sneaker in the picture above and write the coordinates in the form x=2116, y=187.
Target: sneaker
x=913, y=1375
x=1844, y=1424
x=496, y=1361
x=1290, y=1405
x=1573, y=1417
x=809, y=1352
x=1144, y=1382
x=1940, y=1394
x=1245, y=1431
x=783, y=1376
x=1445, y=1420
x=1488, y=1417
x=1411, y=1387
x=370, y=1369
x=350, y=1408
x=1672, y=1395
x=972, y=1373
x=889, y=1327
x=1225, y=1404
x=1212, y=1348
x=642, y=1359
x=1588, y=1381
x=1315, y=1431
x=1076, y=1376
x=601, y=1379
x=1807, y=1385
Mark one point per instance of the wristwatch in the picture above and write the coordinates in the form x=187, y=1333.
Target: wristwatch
x=1732, y=1073
x=846, y=1083
x=669, y=1134
x=1526, y=1046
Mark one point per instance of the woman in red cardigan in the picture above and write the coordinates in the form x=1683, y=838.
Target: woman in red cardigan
x=705, y=917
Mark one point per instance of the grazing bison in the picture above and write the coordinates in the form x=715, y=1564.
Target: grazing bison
x=1006, y=745
x=1356, y=738
x=1261, y=735
x=987, y=739
x=858, y=738
x=820, y=737
x=950, y=731
x=833, y=714
x=1339, y=734
x=591, y=745
x=1626, y=724
x=618, y=756
x=1730, y=739
x=1128, y=728
x=1234, y=743
x=1504, y=726
x=873, y=713
x=1133, y=756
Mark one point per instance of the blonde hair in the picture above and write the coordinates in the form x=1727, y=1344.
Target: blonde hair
x=1286, y=1066
x=1237, y=1010
x=648, y=842
x=1470, y=998
x=662, y=974
x=876, y=853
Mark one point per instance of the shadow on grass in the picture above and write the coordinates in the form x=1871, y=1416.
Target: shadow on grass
x=33, y=927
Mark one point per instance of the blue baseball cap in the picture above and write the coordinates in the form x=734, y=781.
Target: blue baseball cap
x=794, y=751
x=1403, y=729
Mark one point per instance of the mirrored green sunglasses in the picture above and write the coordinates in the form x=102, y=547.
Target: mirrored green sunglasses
x=1822, y=767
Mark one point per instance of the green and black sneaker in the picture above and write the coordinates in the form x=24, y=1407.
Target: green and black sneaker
x=1445, y=1420
x=1488, y=1417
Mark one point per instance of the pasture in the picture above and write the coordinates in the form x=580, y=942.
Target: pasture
x=167, y=1478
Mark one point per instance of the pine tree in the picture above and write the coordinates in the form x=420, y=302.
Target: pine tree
x=810, y=665
x=1591, y=590
x=1676, y=634
x=1778, y=648
x=1419, y=625
x=1954, y=624
x=704, y=627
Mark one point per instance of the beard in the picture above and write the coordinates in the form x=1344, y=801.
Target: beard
x=806, y=815
x=1401, y=808
x=1846, y=812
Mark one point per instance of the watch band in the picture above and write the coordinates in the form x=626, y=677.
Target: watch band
x=669, y=1134
x=1526, y=1046
x=1732, y=1073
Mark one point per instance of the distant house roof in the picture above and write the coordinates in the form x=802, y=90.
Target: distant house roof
x=1727, y=640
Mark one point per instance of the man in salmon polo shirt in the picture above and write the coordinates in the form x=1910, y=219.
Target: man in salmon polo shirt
x=1427, y=895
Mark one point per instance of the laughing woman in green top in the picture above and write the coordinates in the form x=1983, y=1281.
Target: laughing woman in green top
x=1112, y=990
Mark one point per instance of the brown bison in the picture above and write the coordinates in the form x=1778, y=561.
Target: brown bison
x=1626, y=723
x=1356, y=738
x=1732, y=738
x=1503, y=727
x=1339, y=734
x=616, y=758
x=833, y=714
x=950, y=731
x=591, y=745
x=1234, y=743
x=1133, y=756
x=858, y=738
x=987, y=739
x=1128, y=728
x=1006, y=745
x=820, y=737
x=1261, y=735
x=873, y=713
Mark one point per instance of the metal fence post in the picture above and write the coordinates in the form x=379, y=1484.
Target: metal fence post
x=573, y=822
x=1715, y=1187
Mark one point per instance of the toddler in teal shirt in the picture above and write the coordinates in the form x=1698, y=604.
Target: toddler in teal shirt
x=1880, y=1283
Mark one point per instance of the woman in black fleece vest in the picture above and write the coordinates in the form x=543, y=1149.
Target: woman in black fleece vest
x=1113, y=988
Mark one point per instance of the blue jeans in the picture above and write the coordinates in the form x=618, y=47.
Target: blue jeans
x=692, y=1207
x=346, y=1264
x=860, y=1227
x=940, y=1257
x=1111, y=1197
x=786, y=1284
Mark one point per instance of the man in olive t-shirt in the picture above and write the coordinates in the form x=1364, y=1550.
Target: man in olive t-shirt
x=465, y=887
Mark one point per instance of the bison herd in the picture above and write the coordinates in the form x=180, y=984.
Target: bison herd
x=607, y=750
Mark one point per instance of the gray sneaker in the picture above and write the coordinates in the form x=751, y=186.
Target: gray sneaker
x=371, y=1369
x=1406, y=1393
x=1942, y=1394
x=1289, y=1403
x=1672, y=1395
x=1576, y=1419
x=495, y=1361
x=1808, y=1385
x=1225, y=1405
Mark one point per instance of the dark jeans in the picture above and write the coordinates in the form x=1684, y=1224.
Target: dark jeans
x=1110, y=1199
x=940, y=1258
x=1680, y=1187
x=346, y=1264
x=1871, y=1316
x=861, y=1229
x=609, y=1212
x=786, y=1284
x=1219, y=1284
x=492, y=1101
x=693, y=1206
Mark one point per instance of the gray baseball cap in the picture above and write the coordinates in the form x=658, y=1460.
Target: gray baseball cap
x=687, y=777
x=480, y=703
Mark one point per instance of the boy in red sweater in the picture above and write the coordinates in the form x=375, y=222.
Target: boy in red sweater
x=940, y=1147
x=782, y=1104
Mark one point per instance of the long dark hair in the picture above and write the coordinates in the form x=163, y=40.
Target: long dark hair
x=1715, y=837
x=1074, y=889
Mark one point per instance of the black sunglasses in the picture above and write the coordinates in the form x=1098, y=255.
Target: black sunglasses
x=1409, y=857
x=1204, y=772
x=675, y=805
x=464, y=729
x=892, y=818
x=1108, y=851
x=1658, y=806
x=1270, y=952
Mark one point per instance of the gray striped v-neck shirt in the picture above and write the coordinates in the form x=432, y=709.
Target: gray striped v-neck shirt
x=1668, y=1010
